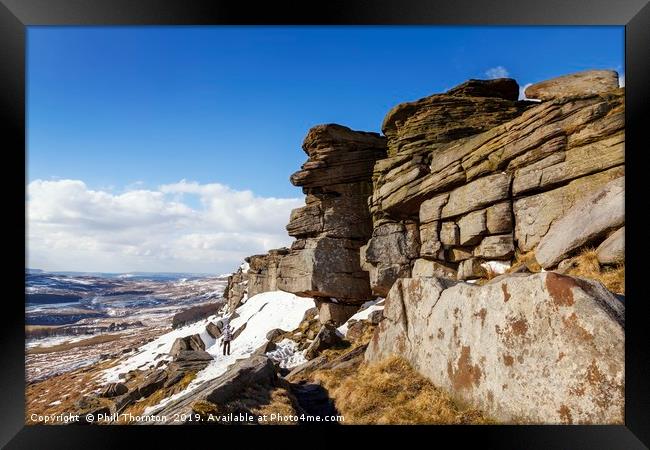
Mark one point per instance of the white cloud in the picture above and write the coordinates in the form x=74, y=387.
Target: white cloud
x=522, y=89
x=621, y=81
x=497, y=72
x=72, y=227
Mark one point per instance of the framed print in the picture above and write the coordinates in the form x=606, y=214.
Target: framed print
x=377, y=218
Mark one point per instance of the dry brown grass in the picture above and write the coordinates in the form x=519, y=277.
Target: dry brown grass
x=392, y=392
x=258, y=401
x=525, y=259
x=37, y=331
x=66, y=388
x=586, y=265
x=282, y=404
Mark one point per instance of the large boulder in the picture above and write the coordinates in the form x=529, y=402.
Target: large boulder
x=426, y=268
x=213, y=329
x=539, y=348
x=192, y=343
x=612, y=249
x=190, y=360
x=590, y=219
x=152, y=383
x=335, y=313
x=257, y=371
x=587, y=82
x=114, y=390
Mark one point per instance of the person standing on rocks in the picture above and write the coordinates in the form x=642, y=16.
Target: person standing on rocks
x=227, y=337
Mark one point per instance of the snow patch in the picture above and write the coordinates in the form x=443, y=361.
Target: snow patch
x=287, y=355
x=497, y=267
x=366, y=309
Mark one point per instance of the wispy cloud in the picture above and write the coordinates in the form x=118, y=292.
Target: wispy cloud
x=76, y=228
x=497, y=72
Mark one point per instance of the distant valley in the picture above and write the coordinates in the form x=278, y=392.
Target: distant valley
x=73, y=319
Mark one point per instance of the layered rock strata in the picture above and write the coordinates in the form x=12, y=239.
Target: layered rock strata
x=258, y=274
x=335, y=222
x=473, y=175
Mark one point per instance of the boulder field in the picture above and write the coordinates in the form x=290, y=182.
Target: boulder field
x=459, y=187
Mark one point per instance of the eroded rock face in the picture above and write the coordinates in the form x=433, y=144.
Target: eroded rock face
x=483, y=175
x=236, y=289
x=388, y=254
x=541, y=348
x=335, y=223
x=535, y=214
x=263, y=271
x=258, y=274
x=587, y=220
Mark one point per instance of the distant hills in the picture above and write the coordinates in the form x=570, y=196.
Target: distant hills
x=131, y=275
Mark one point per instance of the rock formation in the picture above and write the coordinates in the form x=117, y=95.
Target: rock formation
x=255, y=371
x=335, y=222
x=463, y=184
x=491, y=181
x=258, y=274
x=539, y=348
x=612, y=250
x=591, y=218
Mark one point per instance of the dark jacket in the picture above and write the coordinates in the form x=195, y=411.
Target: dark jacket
x=227, y=333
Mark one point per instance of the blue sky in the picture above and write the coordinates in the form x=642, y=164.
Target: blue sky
x=132, y=109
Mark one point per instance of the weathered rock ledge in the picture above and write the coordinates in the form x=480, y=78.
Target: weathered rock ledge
x=540, y=348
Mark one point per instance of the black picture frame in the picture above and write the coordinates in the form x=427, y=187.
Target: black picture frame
x=16, y=15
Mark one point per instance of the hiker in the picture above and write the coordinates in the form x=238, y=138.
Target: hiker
x=226, y=334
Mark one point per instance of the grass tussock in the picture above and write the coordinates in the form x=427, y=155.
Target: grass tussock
x=525, y=259
x=586, y=265
x=392, y=392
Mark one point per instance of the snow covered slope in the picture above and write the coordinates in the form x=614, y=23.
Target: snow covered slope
x=260, y=314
